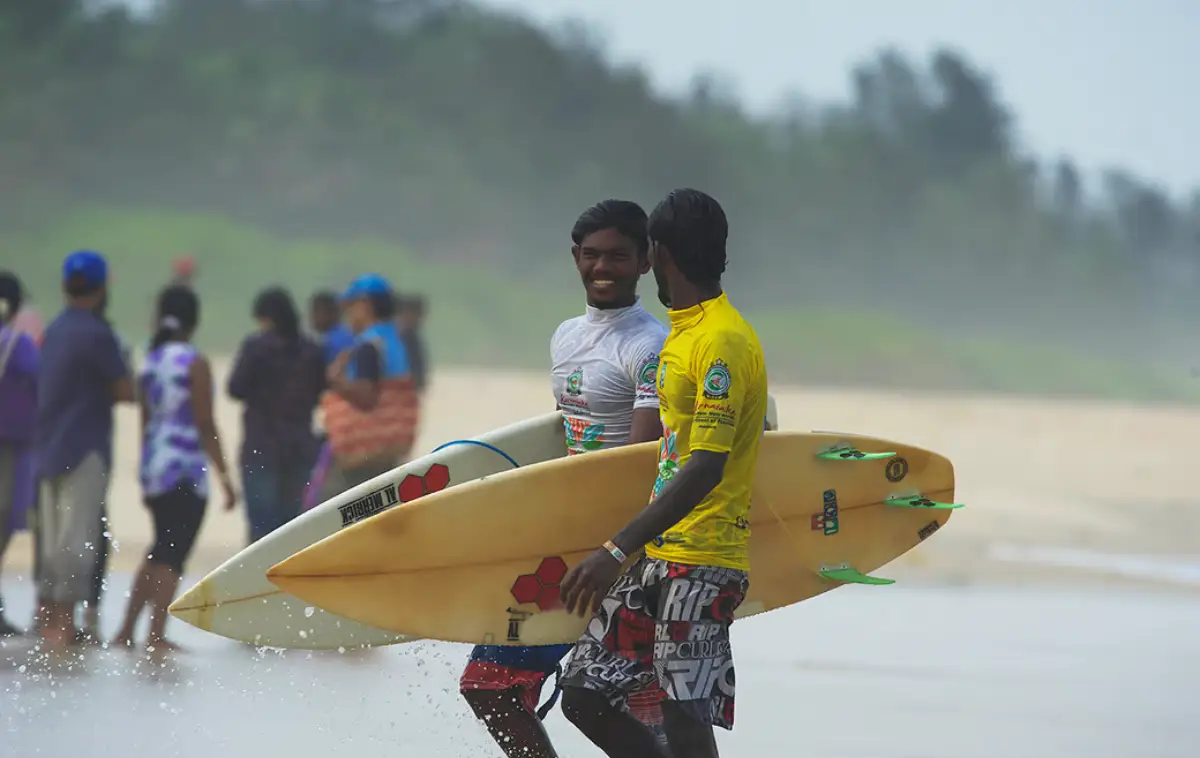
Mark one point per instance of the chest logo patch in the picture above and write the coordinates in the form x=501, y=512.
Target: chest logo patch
x=575, y=382
x=717, y=381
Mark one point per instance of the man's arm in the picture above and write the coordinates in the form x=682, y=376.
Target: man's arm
x=363, y=391
x=713, y=428
x=113, y=368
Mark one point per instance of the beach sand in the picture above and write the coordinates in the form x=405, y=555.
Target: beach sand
x=988, y=647
x=1034, y=473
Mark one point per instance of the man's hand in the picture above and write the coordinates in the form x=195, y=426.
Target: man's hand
x=586, y=585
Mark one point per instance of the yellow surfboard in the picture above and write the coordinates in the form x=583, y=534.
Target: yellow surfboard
x=481, y=562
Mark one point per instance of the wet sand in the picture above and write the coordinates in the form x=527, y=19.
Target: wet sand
x=1056, y=616
x=863, y=672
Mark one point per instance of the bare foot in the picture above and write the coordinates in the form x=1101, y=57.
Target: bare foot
x=162, y=645
x=122, y=641
x=86, y=637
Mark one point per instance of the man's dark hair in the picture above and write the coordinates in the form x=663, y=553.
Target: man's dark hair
x=415, y=302
x=78, y=285
x=692, y=225
x=324, y=299
x=12, y=294
x=383, y=305
x=626, y=216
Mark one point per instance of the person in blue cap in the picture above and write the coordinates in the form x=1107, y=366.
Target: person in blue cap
x=371, y=408
x=83, y=374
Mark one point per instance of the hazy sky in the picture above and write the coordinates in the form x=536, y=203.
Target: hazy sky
x=1111, y=82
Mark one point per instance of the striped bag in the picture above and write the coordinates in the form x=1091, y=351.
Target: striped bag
x=384, y=433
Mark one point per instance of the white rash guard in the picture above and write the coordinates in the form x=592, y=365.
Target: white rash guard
x=603, y=367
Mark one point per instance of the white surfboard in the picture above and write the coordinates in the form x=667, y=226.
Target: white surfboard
x=237, y=601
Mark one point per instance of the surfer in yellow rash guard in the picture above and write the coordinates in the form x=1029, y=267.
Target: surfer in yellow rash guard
x=603, y=369
x=666, y=619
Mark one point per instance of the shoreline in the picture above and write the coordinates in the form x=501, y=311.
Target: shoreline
x=1042, y=474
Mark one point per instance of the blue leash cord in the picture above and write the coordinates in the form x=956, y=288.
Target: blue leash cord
x=548, y=706
x=493, y=448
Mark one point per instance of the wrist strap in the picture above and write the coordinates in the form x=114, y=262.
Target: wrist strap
x=615, y=551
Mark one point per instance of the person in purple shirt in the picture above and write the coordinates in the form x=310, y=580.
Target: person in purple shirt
x=82, y=375
x=18, y=419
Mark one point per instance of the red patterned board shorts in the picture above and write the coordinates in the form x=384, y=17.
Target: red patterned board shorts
x=664, y=625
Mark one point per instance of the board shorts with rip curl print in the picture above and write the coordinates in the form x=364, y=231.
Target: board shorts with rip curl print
x=664, y=624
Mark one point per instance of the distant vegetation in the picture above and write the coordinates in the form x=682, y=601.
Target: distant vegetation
x=465, y=136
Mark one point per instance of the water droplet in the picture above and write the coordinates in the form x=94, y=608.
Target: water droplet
x=309, y=611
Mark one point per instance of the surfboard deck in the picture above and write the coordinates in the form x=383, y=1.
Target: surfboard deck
x=236, y=601
x=481, y=563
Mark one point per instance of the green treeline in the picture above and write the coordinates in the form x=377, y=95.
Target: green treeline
x=463, y=134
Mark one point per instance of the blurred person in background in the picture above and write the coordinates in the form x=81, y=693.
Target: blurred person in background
x=82, y=375
x=325, y=320
x=90, y=610
x=183, y=270
x=179, y=441
x=278, y=375
x=371, y=406
x=410, y=318
x=18, y=421
x=27, y=320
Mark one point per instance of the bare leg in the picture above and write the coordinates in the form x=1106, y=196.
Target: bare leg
x=518, y=732
x=688, y=737
x=57, y=625
x=142, y=590
x=612, y=730
x=165, y=582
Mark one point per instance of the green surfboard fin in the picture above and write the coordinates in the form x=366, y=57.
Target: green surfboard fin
x=851, y=454
x=844, y=572
x=916, y=501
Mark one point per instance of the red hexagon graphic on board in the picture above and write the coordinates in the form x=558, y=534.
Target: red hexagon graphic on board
x=526, y=589
x=436, y=478
x=433, y=480
x=541, y=587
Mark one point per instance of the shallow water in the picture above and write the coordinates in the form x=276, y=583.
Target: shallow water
x=870, y=672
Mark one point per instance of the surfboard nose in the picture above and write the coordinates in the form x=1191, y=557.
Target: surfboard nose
x=195, y=606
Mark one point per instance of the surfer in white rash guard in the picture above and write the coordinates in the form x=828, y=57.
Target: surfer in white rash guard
x=604, y=365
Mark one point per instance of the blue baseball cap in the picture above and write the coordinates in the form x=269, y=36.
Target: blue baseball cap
x=365, y=286
x=87, y=264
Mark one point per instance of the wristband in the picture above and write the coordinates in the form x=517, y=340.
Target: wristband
x=615, y=551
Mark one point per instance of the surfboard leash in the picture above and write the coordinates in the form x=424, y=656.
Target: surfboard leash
x=480, y=443
x=544, y=710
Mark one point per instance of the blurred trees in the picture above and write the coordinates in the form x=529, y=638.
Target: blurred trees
x=467, y=134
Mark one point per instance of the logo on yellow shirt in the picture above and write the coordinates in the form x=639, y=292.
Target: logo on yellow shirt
x=717, y=381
